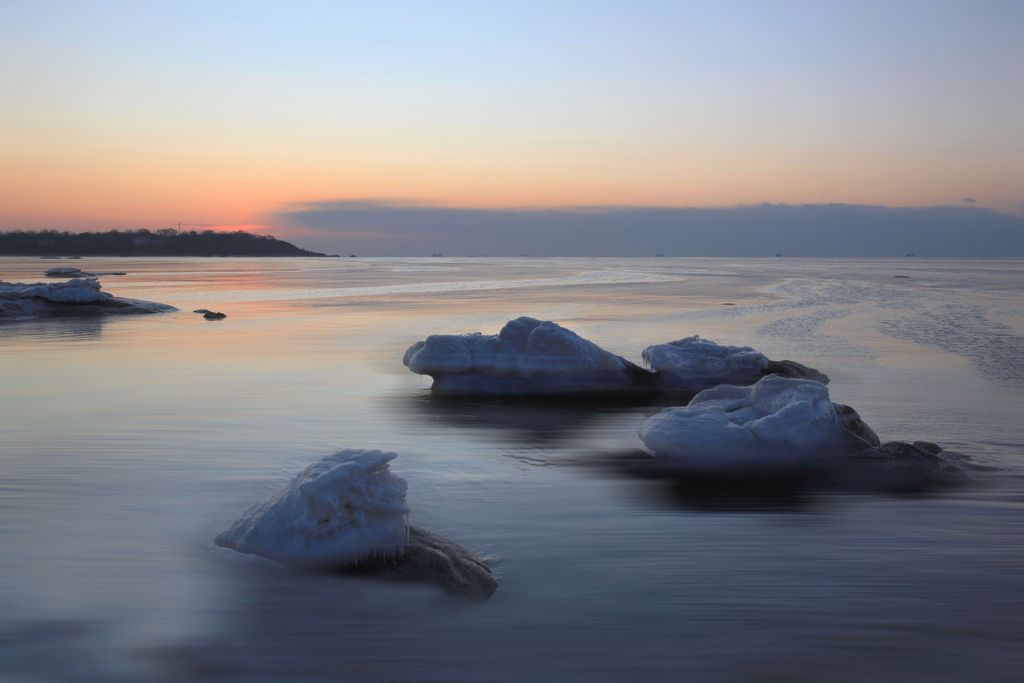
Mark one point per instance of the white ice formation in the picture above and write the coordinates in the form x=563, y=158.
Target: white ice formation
x=532, y=357
x=527, y=356
x=340, y=510
x=83, y=295
x=776, y=422
x=694, y=364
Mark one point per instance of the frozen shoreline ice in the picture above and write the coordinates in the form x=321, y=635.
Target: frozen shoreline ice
x=78, y=295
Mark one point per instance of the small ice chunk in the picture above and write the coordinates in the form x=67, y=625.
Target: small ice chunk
x=694, y=364
x=777, y=421
x=527, y=356
x=340, y=510
x=65, y=271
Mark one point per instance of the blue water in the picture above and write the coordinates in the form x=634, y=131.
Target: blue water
x=128, y=443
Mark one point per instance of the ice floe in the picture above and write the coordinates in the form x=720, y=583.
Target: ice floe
x=535, y=357
x=527, y=356
x=695, y=364
x=342, y=509
x=81, y=295
x=777, y=421
x=348, y=512
x=68, y=272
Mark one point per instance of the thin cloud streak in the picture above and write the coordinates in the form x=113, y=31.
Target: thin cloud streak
x=408, y=229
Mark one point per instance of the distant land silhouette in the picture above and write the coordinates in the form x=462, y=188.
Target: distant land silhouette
x=167, y=242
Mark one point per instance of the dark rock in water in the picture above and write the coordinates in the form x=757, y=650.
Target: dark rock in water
x=202, y=311
x=728, y=303
x=794, y=370
x=642, y=379
x=211, y=315
x=901, y=276
x=856, y=427
x=432, y=558
x=902, y=466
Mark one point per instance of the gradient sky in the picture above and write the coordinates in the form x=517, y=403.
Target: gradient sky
x=116, y=114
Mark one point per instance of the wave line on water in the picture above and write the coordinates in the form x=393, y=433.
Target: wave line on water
x=581, y=279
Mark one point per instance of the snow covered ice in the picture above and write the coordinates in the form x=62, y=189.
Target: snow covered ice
x=694, y=364
x=527, y=356
x=69, y=272
x=348, y=511
x=345, y=508
x=530, y=356
x=79, y=295
x=776, y=422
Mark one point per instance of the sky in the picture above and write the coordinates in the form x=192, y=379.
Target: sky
x=128, y=114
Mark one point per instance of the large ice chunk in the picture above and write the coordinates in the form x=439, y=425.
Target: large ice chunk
x=527, y=356
x=343, y=509
x=777, y=421
x=80, y=295
x=694, y=364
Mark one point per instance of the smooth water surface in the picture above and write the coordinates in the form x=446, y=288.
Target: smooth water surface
x=128, y=443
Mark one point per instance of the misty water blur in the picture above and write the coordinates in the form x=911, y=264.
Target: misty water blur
x=128, y=443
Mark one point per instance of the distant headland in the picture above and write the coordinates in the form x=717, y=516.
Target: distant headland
x=143, y=242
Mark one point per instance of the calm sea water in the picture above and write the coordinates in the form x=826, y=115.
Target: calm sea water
x=128, y=443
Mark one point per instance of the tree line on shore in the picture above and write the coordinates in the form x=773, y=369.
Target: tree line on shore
x=144, y=242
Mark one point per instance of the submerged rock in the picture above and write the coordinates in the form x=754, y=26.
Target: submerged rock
x=213, y=315
x=777, y=422
x=76, y=296
x=433, y=558
x=202, y=311
x=794, y=370
x=527, y=356
x=347, y=512
x=902, y=466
